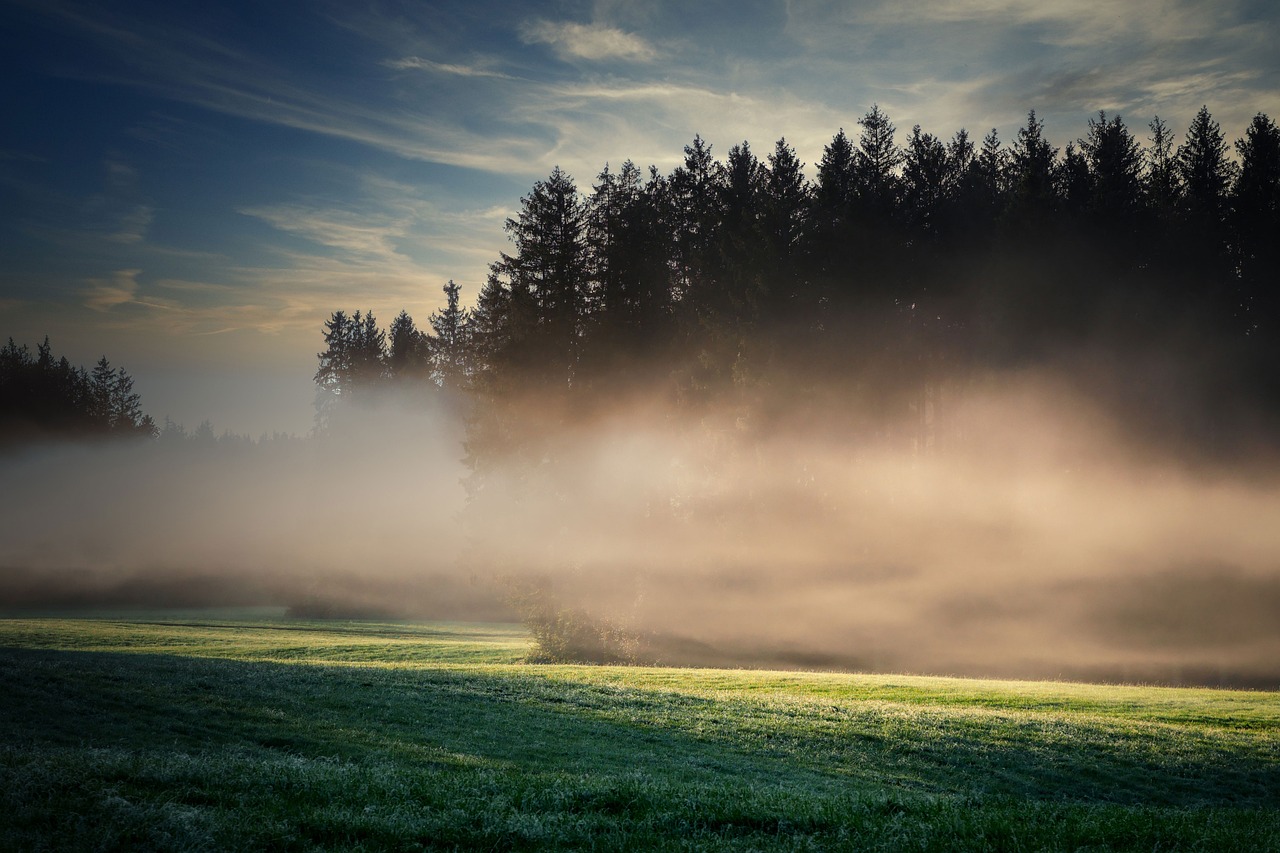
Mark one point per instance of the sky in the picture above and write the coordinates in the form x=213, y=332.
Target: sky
x=191, y=188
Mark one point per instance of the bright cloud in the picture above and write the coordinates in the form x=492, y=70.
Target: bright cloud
x=588, y=41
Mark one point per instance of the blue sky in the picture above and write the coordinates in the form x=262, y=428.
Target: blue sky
x=192, y=187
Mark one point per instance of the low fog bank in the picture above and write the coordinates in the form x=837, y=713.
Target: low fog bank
x=1021, y=527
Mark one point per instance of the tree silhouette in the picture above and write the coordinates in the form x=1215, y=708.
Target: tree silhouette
x=550, y=268
x=897, y=270
x=449, y=347
x=46, y=397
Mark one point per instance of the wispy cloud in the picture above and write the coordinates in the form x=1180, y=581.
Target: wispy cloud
x=593, y=42
x=415, y=63
x=105, y=294
x=132, y=225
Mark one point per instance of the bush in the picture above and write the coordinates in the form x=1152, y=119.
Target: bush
x=571, y=635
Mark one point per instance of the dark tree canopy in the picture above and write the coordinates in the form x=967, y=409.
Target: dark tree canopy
x=45, y=398
x=904, y=266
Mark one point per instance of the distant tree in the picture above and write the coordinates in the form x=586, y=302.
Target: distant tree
x=1115, y=176
x=1032, y=172
x=836, y=189
x=551, y=267
x=489, y=332
x=203, y=435
x=694, y=193
x=335, y=366
x=1205, y=171
x=102, y=382
x=126, y=415
x=926, y=177
x=1256, y=215
x=991, y=172
x=1206, y=176
x=115, y=406
x=1075, y=185
x=449, y=349
x=368, y=351
x=47, y=397
x=352, y=363
x=630, y=249
x=1162, y=177
x=409, y=352
x=741, y=263
x=875, y=166
x=172, y=433
x=785, y=224
x=835, y=195
x=976, y=193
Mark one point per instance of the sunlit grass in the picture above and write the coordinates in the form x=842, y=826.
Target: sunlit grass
x=217, y=733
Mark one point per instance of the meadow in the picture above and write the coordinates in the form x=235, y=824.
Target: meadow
x=233, y=731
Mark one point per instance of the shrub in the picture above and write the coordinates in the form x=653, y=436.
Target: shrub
x=571, y=635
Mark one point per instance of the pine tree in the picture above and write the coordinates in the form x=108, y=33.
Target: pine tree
x=836, y=190
x=352, y=363
x=1162, y=179
x=489, y=333
x=1205, y=171
x=449, y=350
x=408, y=350
x=1207, y=273
x=629, y=250
x=925, y=179
x=785, y=224
x=1256, y=217
x=741, y=260
x=1032, y=171
x=551, y=268
x=1115, y=175
x=875, y=166
x=695, y=193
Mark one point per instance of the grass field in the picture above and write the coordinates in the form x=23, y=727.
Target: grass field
x=204, y=733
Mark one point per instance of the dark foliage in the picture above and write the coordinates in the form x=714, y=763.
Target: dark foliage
x=46, y=398
x=899, y=271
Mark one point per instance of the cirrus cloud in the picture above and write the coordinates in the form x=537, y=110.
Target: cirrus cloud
x=588, y=41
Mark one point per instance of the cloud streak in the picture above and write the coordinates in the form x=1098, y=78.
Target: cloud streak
x=592, y=42
x=103, y=295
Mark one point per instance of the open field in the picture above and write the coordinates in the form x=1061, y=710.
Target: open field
x=257, y=733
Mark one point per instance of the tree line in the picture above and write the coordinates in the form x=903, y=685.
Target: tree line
x=897, y=268
x=48, y=397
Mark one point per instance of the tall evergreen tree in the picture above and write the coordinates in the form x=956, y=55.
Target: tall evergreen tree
x=408, y=350
x=629, y=252
x=1163, y=180
x=1206, y=176
x=741, y=263
x=353, y=362
x=552, y=267
x=1032, y=171
x=449, y=349
x=489, y=331
x=925, y=179
x=1205, y=171
x=875, y=166
x=1256, y=214
x=695, y=220
x=1115, y=175
x=785, y=224
x=836, y=190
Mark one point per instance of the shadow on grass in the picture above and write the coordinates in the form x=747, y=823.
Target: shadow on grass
x=529, y=723
x=120, y=751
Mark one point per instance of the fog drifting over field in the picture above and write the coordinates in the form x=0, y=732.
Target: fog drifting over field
x=1042, y=539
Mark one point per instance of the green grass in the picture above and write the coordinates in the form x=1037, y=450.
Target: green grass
x=215, y=734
